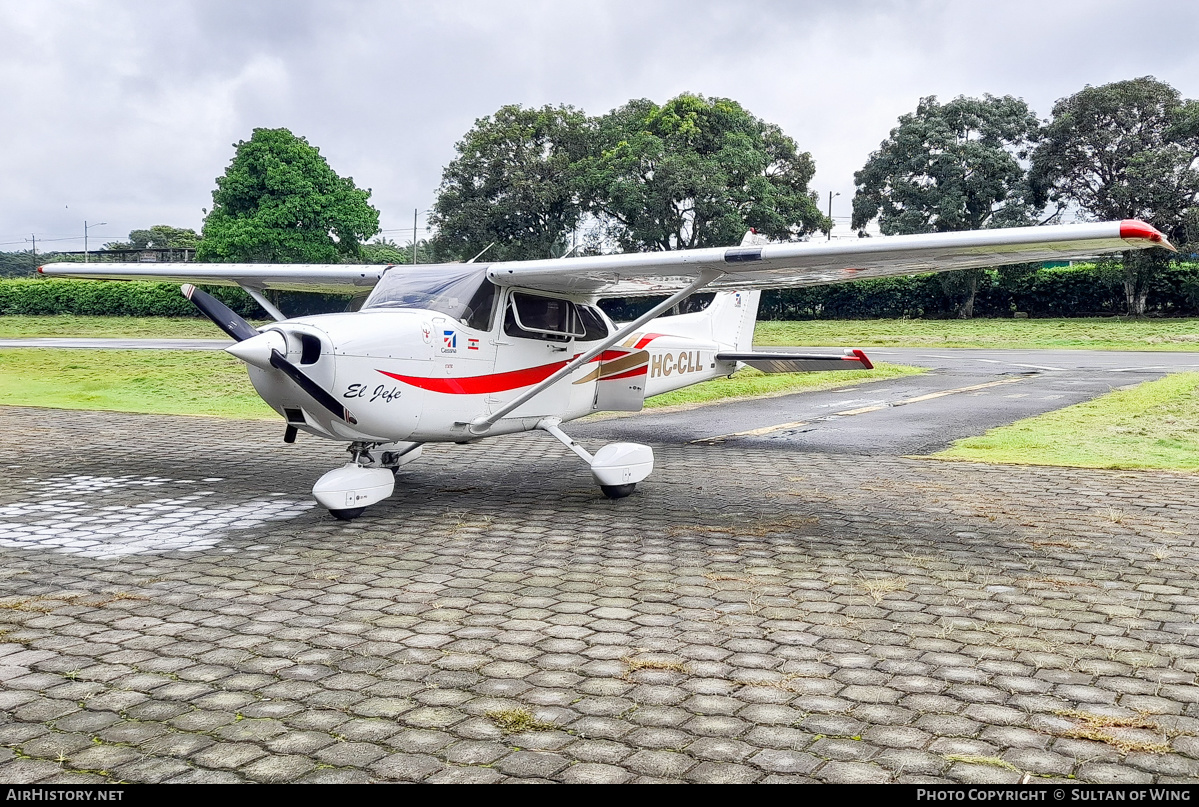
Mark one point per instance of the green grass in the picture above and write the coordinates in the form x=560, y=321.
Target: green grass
x=1087, y=333
x=1151, y=425
x=148, y=381
x=750, y=383
x=1094, y=333
x=19, y=327
x=215, y=384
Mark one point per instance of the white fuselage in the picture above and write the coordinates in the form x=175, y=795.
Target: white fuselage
x=418, y=375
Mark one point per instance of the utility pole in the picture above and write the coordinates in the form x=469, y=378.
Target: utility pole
x=33, y=238
x=414, y=213
x=830, y=214
x=85, y=227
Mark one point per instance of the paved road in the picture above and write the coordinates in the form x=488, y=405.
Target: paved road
x=174, y=608
x=967, y=392
x=117, y=344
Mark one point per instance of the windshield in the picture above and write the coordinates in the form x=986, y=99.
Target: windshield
x=459, y=291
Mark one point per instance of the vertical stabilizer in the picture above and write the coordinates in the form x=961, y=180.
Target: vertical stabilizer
x=733, y=316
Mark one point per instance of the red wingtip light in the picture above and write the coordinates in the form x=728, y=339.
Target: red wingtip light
x=40, y=269
x=1136, y=230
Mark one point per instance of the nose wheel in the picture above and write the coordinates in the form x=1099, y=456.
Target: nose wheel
x=618, y=491
x=348, y=514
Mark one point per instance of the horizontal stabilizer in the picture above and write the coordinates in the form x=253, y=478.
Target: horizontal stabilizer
x=799, y=362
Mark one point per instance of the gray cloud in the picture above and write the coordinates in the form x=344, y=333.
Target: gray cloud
x=126, y=112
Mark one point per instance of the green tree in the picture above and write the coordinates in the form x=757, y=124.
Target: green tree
x=160, y=236
x=949, y=167
x=511, y=185
x=1125, y=150
x=696, y=172
x=280, y=202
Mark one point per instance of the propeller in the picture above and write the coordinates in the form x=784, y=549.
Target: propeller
x=229, y=322
x=221, y=314
x=280, y=362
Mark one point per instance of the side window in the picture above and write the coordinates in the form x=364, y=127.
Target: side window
x=593, y=324
x=532, y=316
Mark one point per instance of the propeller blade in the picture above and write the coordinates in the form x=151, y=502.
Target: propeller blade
x=280, y=362
x=221, y=314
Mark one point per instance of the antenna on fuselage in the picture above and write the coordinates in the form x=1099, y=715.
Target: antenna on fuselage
x=480, y=255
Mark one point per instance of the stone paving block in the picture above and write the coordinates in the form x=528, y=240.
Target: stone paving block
x=277, y=768
x=981, y=774
x=101, y=757
x=659, y=764
x=532, y=764
x=853, y=773
x=465, y=776
x=406, y=767
x=227, y=755
x=1108, y=773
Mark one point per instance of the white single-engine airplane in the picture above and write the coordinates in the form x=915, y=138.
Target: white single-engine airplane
x=458, y=352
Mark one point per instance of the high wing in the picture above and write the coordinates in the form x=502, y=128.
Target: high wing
x=787, y=265
x=325, y=278
x=816, y=263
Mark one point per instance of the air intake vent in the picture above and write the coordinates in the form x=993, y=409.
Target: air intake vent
x=310, y=348
x=294, y=415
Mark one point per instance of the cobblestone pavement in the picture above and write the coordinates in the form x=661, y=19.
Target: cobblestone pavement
x=174, y=608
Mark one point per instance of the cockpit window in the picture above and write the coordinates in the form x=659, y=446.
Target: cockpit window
x=463, y=293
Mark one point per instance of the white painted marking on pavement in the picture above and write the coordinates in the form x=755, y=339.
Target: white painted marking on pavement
x=79, y=515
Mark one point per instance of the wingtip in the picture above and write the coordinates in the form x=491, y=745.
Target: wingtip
x=187, y=289
x=41, y=270
x=1137, y=230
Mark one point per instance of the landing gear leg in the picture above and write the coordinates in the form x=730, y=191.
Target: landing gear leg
x=616, y=468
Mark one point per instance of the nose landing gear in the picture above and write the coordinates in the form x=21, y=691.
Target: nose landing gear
x=347, y=491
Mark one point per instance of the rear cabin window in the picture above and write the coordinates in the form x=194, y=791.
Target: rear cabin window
x=531, y=316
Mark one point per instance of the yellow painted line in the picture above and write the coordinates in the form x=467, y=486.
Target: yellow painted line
x=863, y=410
x=943, y=393
x=754, y=432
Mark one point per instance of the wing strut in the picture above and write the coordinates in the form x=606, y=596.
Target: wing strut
x=261, y=299
x=481, y=424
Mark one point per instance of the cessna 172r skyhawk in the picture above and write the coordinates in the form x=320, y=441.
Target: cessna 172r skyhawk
x=459, y=352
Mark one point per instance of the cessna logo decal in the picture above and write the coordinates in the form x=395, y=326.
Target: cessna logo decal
x=665, y=364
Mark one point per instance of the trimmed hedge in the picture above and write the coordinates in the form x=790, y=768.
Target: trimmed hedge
x=1076, y=291
x=50, y=296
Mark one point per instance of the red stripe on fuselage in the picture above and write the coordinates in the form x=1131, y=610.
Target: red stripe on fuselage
x=645, y=340
x=494, y=382
x=481, y=384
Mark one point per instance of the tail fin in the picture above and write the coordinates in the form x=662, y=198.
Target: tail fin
x=733, y=316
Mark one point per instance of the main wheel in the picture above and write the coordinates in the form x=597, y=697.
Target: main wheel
x=351, y=513
x=618, y=491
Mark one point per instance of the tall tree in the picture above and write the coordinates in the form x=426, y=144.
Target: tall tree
x=511, y=185
x=1129, y=149
x=280, y=202
x=696, y=172
x=160, y=236
x=948, y=167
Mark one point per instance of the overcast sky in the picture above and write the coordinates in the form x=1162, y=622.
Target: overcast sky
x=125, y=112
